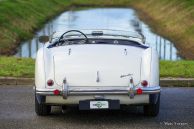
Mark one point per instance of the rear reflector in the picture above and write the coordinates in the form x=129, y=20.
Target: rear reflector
x=56, y=92
x=139, y=91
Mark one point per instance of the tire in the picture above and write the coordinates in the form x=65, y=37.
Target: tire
x=152, y=109
x=42, y=109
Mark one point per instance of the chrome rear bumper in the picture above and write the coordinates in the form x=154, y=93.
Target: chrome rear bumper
x=73, y=91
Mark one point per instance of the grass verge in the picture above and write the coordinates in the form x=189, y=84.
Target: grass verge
x=24, y=67
x=177, y=69
x=20, y=18
x=17, y=67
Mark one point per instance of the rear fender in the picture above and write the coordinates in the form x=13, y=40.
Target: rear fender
x=154, y=69
x=145, y=65
x=39, y=70
x=150, y=67
x=49, y=69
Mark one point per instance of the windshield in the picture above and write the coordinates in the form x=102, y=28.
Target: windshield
x=105, y=32
x=95, y=37
x=99, y=41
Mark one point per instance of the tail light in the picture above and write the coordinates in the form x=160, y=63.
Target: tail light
x=50, y=82
x=144, y=83
x=56, y=92
x=139, y=91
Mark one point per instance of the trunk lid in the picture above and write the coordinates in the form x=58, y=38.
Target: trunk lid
x=97, y=65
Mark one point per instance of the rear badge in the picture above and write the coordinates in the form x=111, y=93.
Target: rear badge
x=128, y=75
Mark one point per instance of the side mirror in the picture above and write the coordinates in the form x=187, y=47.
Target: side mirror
x=44, y=39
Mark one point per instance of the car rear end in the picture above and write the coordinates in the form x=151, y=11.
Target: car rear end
x=99, y=76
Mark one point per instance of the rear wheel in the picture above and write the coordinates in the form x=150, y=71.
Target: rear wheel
x=152, y=109
x=42, y=109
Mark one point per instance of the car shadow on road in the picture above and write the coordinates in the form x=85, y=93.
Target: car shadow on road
x=128, y=115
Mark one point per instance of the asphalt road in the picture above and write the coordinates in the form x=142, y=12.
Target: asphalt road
x=17, y=112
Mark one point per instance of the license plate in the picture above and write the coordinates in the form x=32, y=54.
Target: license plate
x=99, y=105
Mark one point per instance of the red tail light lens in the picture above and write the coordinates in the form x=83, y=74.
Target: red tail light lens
x=56, y=92
x=50, y=82
x=139, y=91
x=144, y=83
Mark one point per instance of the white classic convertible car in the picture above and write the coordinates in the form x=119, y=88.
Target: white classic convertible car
x=96, y=70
